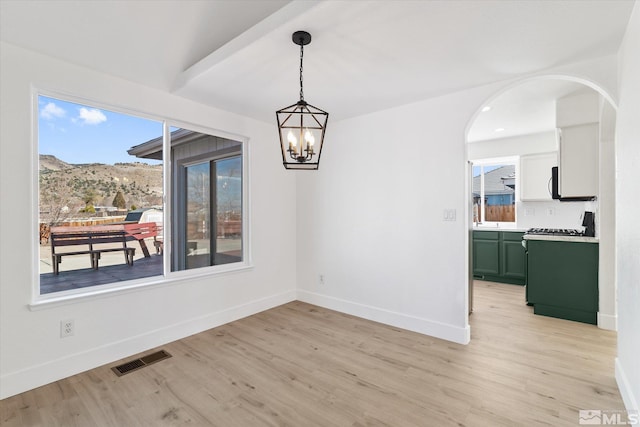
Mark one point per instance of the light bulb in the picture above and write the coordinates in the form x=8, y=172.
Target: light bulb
x=308, y=136
x=291, y=138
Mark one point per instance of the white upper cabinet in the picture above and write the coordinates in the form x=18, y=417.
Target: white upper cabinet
x=577, y=118
x=535, y=176
x=579, y=161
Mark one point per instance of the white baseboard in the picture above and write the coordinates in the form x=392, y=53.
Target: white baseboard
x=607, y=321
x=629, y=399
x=39, y=375
x=416, y=324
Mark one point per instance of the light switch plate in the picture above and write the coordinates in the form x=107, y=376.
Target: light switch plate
x=449, y=215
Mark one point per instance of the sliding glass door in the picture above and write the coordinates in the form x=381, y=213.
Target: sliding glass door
x=228, y=218
x=197, y=250
x=212, y=206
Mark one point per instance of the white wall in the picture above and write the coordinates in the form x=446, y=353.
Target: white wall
x=371, y=219
x=627, y=208
x=606, y=226
x=115, y=326
x=544, y=142
x=553, y=214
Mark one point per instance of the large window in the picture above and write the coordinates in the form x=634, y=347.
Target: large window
x=494, y=193
x=102, y=207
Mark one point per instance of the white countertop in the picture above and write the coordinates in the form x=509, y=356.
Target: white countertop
x=583, y=239
x=488, y=228
x=559, y=238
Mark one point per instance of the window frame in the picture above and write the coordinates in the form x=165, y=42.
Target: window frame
x=167, y=277
x=498, y=161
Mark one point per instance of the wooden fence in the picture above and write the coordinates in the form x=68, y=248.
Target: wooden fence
x=501, y=213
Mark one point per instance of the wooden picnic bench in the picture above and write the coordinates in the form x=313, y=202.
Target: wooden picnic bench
x=158, y=241
x=142, y=231
x=89, y=241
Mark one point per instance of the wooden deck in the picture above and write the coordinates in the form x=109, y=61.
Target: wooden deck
x=85, y=277
x=76, y=271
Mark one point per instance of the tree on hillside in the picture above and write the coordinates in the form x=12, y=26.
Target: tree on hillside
x=118, y=201
x=89, y=197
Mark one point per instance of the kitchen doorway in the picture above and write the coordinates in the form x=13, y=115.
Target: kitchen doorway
x=520, y=123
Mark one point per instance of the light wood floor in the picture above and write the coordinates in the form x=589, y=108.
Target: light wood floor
x=301, y=365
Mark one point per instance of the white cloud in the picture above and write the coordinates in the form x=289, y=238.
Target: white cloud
x=91, y=116
x=51, y=111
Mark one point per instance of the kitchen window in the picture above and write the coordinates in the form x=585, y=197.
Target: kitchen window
x=494, y=192
x=111, y=212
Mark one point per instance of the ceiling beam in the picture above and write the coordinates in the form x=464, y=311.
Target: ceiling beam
x=261, y=29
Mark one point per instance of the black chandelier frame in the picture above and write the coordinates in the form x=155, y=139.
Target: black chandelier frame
x=299, y=123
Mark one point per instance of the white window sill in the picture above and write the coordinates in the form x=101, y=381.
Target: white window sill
x=91, y=293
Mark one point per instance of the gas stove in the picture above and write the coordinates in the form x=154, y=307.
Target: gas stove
x=555, y=232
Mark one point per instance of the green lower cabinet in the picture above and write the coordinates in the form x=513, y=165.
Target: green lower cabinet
x=562, y=279
x=498, y=256
x=512, y=256
x=486, y=254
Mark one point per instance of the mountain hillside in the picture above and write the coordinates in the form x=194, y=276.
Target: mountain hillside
x=47, y=161
x=71, y=185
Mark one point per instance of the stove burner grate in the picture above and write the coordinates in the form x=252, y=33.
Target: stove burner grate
x=555, y=231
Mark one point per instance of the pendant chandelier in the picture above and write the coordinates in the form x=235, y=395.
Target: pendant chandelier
x=301, y=125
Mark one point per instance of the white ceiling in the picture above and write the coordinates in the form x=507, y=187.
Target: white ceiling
x=525, y=109
x=365, y=55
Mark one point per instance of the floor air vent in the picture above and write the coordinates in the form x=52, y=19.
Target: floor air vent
x=134, y=365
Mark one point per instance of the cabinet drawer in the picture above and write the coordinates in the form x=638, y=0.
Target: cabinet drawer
x=512, y=235
x=486, y=235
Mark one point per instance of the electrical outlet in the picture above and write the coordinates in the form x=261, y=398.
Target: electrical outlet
x=67, y=328
x=321, y=279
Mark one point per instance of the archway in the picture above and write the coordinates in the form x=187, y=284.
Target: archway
x=527, y=117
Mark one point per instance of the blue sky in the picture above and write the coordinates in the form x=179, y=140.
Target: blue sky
x=476, y=169
x=78, y=133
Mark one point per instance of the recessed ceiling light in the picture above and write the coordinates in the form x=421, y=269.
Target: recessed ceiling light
x=499, y=130
x=485, y=109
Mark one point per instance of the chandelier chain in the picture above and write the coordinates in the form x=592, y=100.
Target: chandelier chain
x=301, y=126
x=301, y=56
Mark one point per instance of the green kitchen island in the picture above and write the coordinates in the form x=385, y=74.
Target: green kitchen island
x=562, y=277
